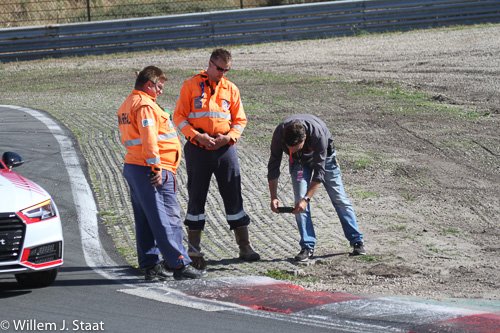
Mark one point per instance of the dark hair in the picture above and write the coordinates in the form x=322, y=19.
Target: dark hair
x=294, y=133
x=221, y=54
x=150, y=73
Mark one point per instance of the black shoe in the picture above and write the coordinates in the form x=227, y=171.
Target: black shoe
x=359, y=249
x=305, y=254
x=188, y=272
x=157, y=273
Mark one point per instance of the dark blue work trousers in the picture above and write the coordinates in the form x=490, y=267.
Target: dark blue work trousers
x=223, y=163
x=158, y=223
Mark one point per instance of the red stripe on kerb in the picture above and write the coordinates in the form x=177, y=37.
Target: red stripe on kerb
x=480, y=323
x=282, y=298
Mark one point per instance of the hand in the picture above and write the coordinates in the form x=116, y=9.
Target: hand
x=275, y=203
x=221, y=140
x=205, y=140
x=156, y=179
x=300, y=206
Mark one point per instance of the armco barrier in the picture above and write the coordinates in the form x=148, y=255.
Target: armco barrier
x=244, y=26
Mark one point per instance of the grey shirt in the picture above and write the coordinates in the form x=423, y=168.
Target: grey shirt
x=318, y=145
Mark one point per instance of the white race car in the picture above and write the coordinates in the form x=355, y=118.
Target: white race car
x=31, y=238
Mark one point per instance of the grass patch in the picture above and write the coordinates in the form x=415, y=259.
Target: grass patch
x=368, y=258
x=364, y=194
x=361, y=163
x=451, y=231
x=107, y=213
x=129, y=255
x=283, y=275
x=408, y=196
x=401, y=227
x=357, y=159
x=403, y=101
x=432, y=247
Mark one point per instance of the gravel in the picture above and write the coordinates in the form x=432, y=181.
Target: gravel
x=426, y=200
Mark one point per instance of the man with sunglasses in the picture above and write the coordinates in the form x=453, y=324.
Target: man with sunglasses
x=210, y=115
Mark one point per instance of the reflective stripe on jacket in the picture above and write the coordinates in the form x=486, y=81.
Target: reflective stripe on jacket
x=148, y=133
x=205, y=106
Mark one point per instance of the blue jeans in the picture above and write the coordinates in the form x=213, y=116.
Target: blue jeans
x=335, y=189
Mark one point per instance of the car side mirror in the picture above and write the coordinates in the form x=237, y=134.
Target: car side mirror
x=12, y=159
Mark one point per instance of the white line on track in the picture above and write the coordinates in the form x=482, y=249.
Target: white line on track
x=86, y=208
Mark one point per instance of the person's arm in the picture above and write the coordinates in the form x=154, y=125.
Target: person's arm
x=181, y=114
x=147, y=123
x=238, y=117
x=273, y=168
x=273, y=191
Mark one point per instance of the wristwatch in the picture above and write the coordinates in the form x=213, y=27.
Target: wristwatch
x=307, y=199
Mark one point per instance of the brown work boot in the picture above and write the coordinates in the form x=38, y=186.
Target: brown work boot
x=194, y=250
x=246, y=251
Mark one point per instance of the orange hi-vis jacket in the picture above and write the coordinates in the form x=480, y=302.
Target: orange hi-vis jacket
x=207, y=107
x=148, y=134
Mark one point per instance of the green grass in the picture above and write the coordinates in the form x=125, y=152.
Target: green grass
x=361, y=163
x=432, y=247
x=283, y=275
x=408, y=196
x=358, y=159
x=368, y=258
x=107, y=213
x=364, y=194
x=400, y=227
x=451, y=231
x=412, y=102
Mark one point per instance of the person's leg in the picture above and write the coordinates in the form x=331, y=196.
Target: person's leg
x=166, y=224
x=227, y=174
x=199, y=172
x=335, y=189
x=164, y=218
x=147, y=252
x=304, y=221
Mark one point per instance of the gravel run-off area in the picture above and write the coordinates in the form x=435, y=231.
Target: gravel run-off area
x=416, y=119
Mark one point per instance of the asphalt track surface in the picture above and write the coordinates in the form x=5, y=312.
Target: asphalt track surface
x=256, y=295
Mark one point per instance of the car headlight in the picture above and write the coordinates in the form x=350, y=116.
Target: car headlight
x=42, y=211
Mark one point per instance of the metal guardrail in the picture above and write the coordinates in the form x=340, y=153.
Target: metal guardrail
x=245, y=26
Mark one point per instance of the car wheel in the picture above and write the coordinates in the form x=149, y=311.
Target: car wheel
x=37, y=279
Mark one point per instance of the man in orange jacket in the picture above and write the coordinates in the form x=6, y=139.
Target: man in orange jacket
x=210, y=114
x=153, y=155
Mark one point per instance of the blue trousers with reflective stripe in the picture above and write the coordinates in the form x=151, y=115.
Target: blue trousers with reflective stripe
x=201, y=164
x=158, y=223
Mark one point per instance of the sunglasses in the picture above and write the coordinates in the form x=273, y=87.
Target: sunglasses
x=220, y=69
